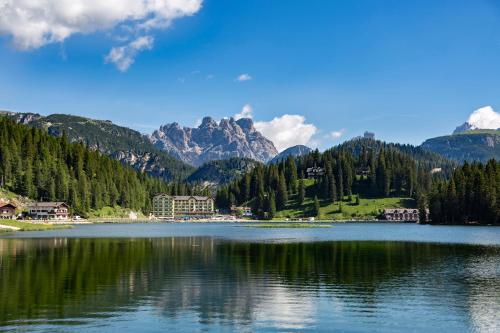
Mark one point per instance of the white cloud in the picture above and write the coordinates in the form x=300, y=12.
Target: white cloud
x=485, y=118
x=334, y=135
x=246, y=112
x=35, y=23
x=243, y=77
x=287, y=130
x=124, y=56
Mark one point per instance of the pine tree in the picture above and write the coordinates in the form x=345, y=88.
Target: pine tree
x=316, y=207
x=340, y=182
x=302, y=191
x=422, y=209
x=271, y=206
x=291, y=174
x=282, y=195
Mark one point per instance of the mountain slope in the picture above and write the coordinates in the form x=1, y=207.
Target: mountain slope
x=422, y=156
x=472, y=145
x=214, y=141
x=124, y=144
x=42, y=167
x=298, y=150
x=222, y=171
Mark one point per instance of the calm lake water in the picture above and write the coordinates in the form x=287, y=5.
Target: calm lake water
x=224, y=277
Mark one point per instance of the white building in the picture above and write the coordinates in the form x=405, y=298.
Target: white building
x=49, y=211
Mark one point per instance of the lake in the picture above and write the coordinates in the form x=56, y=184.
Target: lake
x=353, y=277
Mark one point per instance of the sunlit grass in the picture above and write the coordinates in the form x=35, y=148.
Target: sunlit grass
x=26, y=226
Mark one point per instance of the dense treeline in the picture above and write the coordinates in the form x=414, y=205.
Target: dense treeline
x=41, y=167
x=471, y=195
x=222, y=171
x=361, y=166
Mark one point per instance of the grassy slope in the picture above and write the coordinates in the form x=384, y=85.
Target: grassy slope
x=18, y=200
x=26, y=226
x=480, y=131
x=111, y=212
x=367, y=209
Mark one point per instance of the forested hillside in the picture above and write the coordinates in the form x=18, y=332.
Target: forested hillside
x=42, y=167
x=121, y=143
x=362, y=166
x=222, y=171
x=472, y=195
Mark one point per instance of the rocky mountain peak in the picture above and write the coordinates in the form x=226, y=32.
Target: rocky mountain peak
x=214, y=141
x=298, y=150
x=246, y=124
x=482, y=118
x=208, y=122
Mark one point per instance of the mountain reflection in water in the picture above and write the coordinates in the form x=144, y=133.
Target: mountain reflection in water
x=204, y=283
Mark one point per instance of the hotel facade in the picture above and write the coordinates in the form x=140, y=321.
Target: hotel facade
x=169, y=207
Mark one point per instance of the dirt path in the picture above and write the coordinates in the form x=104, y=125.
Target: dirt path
x=9, y=227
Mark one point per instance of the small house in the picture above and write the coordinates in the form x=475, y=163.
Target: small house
x=315, y=172
x=7, y=211
x=245, y=211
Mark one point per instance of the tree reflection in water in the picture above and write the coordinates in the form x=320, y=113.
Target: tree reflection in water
x=239, y=284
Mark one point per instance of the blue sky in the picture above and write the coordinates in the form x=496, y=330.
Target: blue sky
x=405, y=70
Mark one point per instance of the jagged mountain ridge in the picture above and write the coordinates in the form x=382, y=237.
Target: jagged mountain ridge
x=124, y=144
x=214, y=141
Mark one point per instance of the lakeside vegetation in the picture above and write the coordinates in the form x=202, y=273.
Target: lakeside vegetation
x=471, y=195
x=27, y=226
x=112, y=212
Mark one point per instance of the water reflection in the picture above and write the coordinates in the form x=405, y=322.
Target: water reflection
x=200, y=283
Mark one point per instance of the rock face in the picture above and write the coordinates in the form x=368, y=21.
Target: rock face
x=465, y=127
x=471, y=145
x=214, y=141
x=298, y=150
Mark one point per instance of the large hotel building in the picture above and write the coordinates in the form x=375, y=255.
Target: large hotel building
x=169, y=207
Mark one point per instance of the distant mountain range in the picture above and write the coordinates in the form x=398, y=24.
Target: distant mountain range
x=171, y=152
x=471, y=145
x=214, y=141
x=298, y=150
x=217, y=152
x=478, y=139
